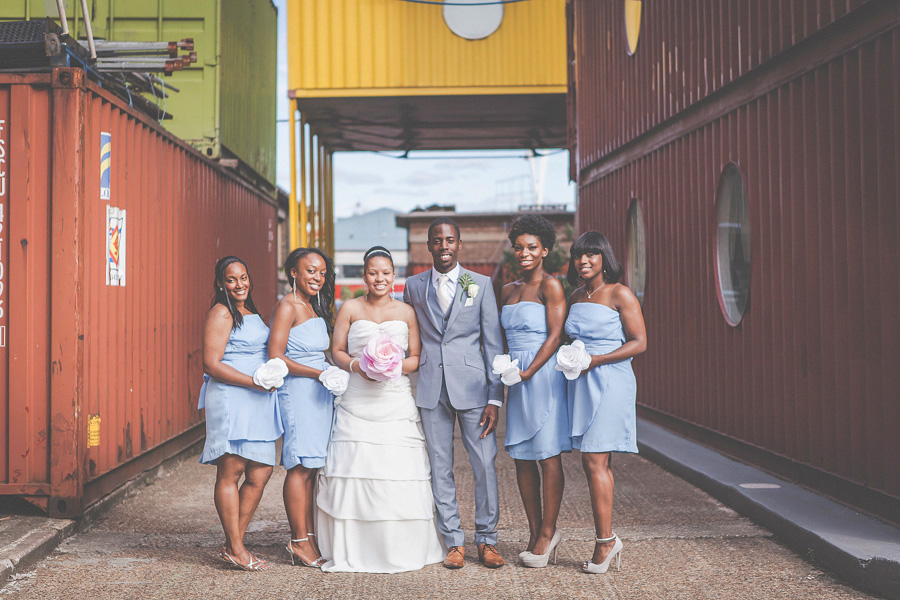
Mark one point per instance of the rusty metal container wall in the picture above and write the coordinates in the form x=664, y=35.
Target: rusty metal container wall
x=806, y=385
x=686, y=52
x=79, y=348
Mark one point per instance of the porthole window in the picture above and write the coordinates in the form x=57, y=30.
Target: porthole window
x=636, y=259
x=732, y=244
x=632, y=24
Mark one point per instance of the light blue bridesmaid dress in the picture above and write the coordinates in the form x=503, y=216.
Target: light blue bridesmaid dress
x=537, y=419
x=602, y=401
x=241, y=420
x=306, y=405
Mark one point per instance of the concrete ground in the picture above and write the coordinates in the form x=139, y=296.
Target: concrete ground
x=163, y=542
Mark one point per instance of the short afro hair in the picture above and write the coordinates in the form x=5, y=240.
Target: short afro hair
x=443, y=221
x=535, y=225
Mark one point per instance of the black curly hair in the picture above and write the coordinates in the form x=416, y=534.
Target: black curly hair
x=536, y=225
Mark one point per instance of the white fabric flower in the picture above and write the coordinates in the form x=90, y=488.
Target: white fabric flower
x=271, y=374
x=507, y=369
x=511, y=377
x=472, y=290
x=502, y=363
x=572, y=359
x=335, y=380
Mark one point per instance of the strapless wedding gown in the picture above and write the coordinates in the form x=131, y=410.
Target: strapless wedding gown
x=375, y=505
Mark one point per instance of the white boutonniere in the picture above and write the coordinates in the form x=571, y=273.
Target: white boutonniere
x=470, y=289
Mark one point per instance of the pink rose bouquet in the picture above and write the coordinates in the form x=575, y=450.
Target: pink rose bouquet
x=382, y=358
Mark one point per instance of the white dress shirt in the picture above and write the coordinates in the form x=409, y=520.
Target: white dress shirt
x=453, y=274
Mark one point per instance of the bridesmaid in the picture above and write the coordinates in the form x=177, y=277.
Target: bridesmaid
x=606, y=316
x=242, y=421
x=301, y=323
x=537, y=420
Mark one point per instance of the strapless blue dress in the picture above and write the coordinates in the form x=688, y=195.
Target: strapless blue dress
x=241, y=420
x=306, y=405
x=537, y=418
x=602, y=401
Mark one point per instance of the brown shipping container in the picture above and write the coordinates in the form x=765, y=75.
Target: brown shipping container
x=803, y=97
x=109, y=231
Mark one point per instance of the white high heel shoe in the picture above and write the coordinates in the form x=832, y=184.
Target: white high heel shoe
x=589, y=567
x=539, y=561
x=316, y=564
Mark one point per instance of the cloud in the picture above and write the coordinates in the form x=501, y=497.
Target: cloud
x=427, y=178
x=357, y=177
x=395, y=191
x=465, y=165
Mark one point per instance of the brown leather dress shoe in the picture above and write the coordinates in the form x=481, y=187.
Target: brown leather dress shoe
x=455, y=558
x=489, y=556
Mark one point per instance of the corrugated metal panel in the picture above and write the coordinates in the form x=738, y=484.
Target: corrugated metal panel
x=227, y=98
x=249, y=55
x=370, y=47
x=128, y=354
x=687, y=51
x=810, y=373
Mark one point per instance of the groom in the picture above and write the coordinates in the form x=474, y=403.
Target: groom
x=460, y=331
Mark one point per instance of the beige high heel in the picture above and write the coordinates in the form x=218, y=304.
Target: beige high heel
x=540, y=561
x=589, y=567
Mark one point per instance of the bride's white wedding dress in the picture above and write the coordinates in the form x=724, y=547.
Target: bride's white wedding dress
x=376, y=509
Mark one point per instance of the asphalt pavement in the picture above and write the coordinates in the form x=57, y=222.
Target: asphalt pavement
x=162, y=542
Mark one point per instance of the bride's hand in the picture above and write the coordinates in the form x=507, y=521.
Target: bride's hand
x=359, y=371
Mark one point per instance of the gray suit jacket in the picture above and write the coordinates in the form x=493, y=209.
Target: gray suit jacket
x=461, y=352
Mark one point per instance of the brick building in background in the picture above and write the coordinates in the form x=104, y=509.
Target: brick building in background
x=483, y=235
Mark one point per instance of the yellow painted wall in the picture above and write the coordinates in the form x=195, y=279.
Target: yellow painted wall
x=341, y=48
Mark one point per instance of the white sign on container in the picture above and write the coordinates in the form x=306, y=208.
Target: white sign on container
x=115, y=246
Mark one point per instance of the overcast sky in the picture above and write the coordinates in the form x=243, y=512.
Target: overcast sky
x=365, y=180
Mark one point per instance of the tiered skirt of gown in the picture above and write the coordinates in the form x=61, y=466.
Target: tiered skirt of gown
x=376, y=509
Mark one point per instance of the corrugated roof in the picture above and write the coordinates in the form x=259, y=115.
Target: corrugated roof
x=374, y=228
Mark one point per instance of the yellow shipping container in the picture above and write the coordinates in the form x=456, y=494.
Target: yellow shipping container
x=357, y=48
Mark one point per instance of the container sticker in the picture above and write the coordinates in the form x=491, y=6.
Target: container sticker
x=105, y=160
x=115, y=246
x=93, y=431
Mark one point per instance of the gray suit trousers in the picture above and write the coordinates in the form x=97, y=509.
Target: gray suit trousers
x=439, y=423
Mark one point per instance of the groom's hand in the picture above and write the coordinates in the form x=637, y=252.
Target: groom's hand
x=489, y=416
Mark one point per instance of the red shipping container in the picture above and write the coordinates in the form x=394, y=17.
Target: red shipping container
x=109, y=231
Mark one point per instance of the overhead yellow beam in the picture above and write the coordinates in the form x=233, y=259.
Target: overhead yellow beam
x=320, y=240
x=313, y=181
x=304, y=209
x=329, y=203
x=293, y=221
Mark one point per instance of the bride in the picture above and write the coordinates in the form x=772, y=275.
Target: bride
x=376, y=509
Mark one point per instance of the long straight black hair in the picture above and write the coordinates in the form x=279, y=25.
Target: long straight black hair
x=220, y=296
x=593, y=242
x=323, y=302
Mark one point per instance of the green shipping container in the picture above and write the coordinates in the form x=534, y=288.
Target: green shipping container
x=226, y=107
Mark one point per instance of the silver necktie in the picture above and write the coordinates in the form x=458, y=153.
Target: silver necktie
x=444, y=292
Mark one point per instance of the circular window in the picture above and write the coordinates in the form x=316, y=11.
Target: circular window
x=632, y=24
x=474, y=22
x=636, y=260
x=732, y=244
